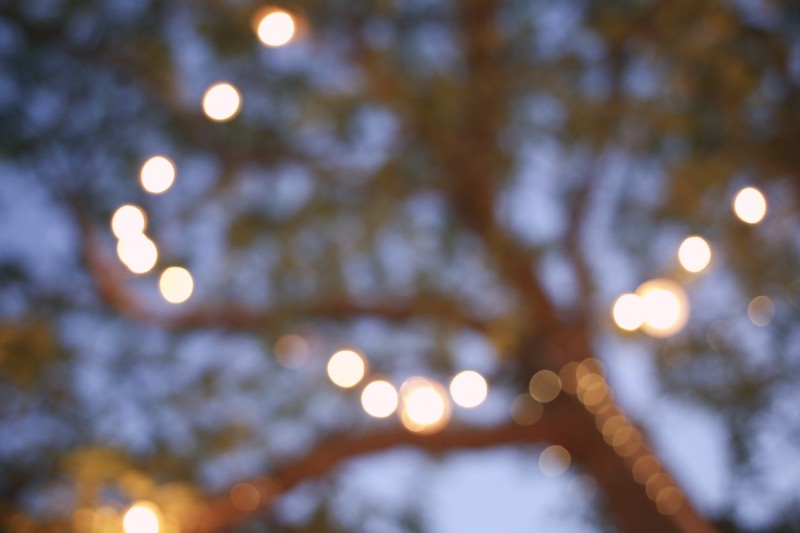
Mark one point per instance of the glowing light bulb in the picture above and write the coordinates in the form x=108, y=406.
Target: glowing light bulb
x=666, y=307
x=157, y=174
x=468, y=389
x=694, y=254
x=554, y=460
x=425, y=408
x=221, y=102
x=628, y=312
x=545, y=386
x=346, y=368
x=379, y=399
x=142, y=517
x=176, y=285
x=138, y=253
x=128, y=220
x=276, y=28
x=750, y=205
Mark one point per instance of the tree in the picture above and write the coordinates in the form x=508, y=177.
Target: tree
x=403, y=179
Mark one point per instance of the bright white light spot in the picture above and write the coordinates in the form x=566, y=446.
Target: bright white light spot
x=750, y=205
x=545, y=386
x=142, y=517
x=468, y=389
x=176, y=285
x=425, y=408
x=346, y=368
x=221, y=102
x=666, y=307
x=157, y=174
x=628, y=312
x=138, y=253
x=761, y=311
x=554, y=461
x=379, y=399
x=694, y=254
x=276, y=28
x=128, y=220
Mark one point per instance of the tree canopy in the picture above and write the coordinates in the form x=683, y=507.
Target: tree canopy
x=427, y=188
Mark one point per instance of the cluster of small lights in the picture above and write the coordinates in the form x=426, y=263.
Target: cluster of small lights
x=660, y=307
x=135, y=249
x=422, y=404
x=586, y=381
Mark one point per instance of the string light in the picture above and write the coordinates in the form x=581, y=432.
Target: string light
x=554, y=460
x=545, y=386
x=128, y=220
x=346, y=368
x=276, y=28
x=694, y=254
x=221, y=102
x=176, y=285
x=138, y=253
x=666, y=307
x=157, y=174
x=468, y=389
x=750, y=205
x=425, y=408
x=142, y=517
x=379, y=399
x=628, y=312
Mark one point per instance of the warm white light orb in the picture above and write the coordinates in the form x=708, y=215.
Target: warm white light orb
x=379, y=399
x=138, y=253
x=666, y=307
x=128, y=220
x=142, y=517
x=694, y=254
x=750, y=205
x=346, y=368
x=425, y=407
x=276, y=28
x=157, y=174
x=628, y=312
x=176, y=285
x=468, y=389
x=221, y=102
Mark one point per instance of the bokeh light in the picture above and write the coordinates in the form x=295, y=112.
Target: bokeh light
x=468, y=389
x=669, y=500
x=157, y=174
x=221, y=102
x=245, y=497
x=761, y=311
x=628, y=312
x=750, y=205
x=176, y=285
x=526, y=411
x=138, y=253
x=425, y=407
x=276, y=28
x=666, y=307
x=291, y=350
x=644, y=467
x=694, y=254
x=142, y=517
x=379, y=399
x=554, y=460
x=346, y=368
x=128, y=220
x=545, y=386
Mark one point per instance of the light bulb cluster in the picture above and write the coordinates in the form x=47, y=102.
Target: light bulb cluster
x=422, y=404
x=660, y=307
x=135, y=249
